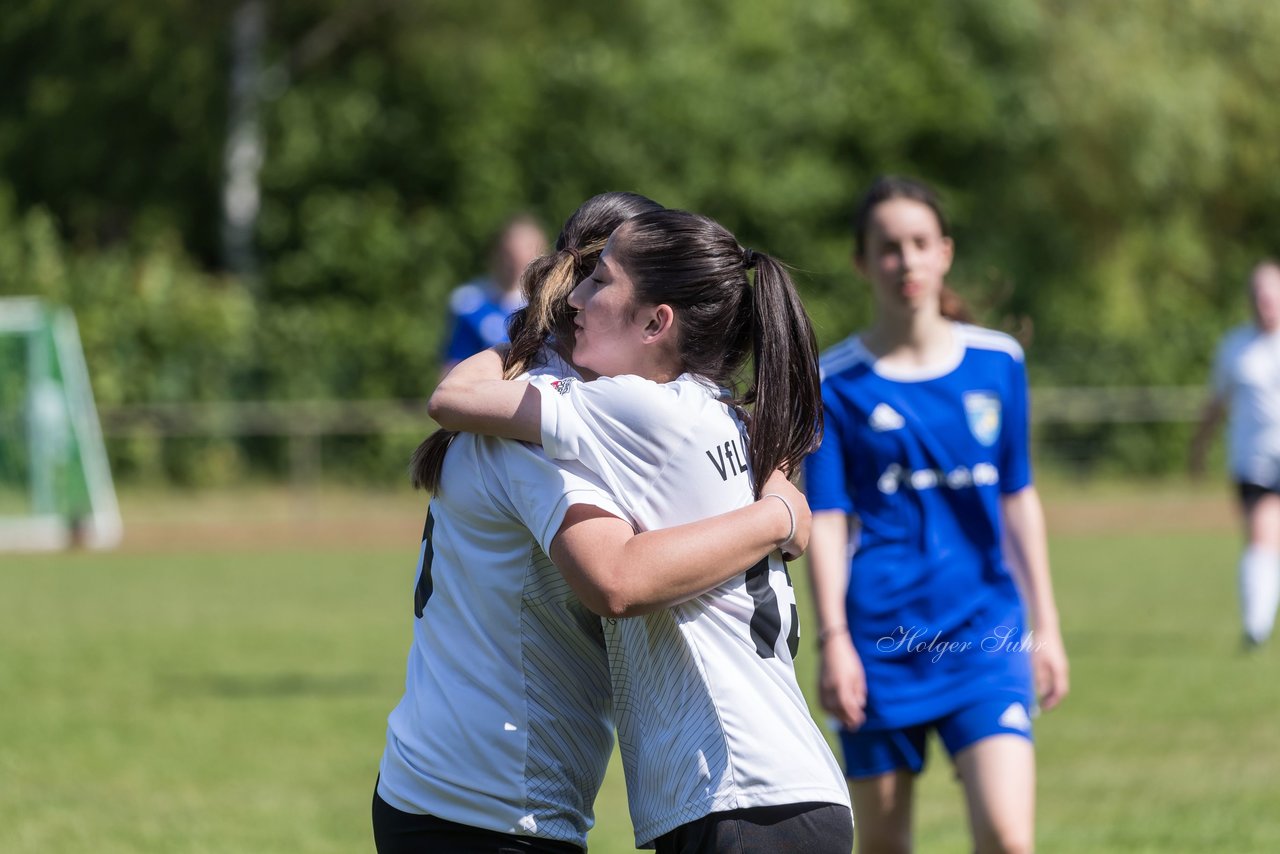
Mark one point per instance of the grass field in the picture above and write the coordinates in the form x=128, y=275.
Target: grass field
x=221, y=683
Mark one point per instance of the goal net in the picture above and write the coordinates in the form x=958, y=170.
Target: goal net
x=55, y=484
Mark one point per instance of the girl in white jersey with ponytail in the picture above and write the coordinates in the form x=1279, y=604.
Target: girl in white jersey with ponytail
x=718, y=747
x=501, y=740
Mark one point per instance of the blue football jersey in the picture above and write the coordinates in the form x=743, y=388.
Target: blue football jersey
x=921, y=460
x=478, y=316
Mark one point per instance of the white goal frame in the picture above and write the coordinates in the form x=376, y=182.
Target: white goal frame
x=44, y=530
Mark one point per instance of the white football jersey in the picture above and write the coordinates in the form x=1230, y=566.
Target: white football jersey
x=1247, y=375
x=706, y=704
x=505, y=723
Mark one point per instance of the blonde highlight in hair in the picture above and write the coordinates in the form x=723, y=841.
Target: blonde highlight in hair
x=542, y=299
x=547, y=318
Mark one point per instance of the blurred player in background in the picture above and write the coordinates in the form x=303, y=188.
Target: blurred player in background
x=478, y=310
x=925, y=452
x=1246, y=384
x=719, y=750
x=501, y=740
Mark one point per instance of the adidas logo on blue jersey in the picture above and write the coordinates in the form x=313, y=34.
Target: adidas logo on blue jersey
x=884, y=417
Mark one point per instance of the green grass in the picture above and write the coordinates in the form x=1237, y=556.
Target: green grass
x=233, y=699
x=202, y=703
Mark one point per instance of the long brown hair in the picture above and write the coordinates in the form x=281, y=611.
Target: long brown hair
x=694, y=265
x=547, y=318
x=887, y=187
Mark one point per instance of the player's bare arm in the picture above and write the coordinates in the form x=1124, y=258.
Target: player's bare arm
x=1028, y=556
x=618, y=573
x=1211, y=418
x=842, y=686
x=474, y=398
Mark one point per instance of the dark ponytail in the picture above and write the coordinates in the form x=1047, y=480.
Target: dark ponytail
x=886, y=187
x=427, y=460
x=694, y=265
x=786, y=422
x=546, y=318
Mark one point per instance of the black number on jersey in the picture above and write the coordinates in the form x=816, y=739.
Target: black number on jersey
x=766, y=620
x=423, y=591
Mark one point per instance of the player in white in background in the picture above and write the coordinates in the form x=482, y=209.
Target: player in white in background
x=501, y=740
x=718, y=747
x=1246, y=383
x=925, y=447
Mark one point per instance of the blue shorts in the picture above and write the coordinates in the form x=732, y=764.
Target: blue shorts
x=1250, y=491
x=870, y=753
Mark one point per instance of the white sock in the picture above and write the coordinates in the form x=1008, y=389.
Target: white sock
x=1259, y=591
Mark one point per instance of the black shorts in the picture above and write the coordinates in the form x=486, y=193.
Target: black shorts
x=808, y=828
x=396, y=832
x=1250, y=492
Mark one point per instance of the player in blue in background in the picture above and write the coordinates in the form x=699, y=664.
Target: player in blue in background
x=924, y=466
x=478, y=310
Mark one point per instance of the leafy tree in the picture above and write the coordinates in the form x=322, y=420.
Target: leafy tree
x=1110, y=168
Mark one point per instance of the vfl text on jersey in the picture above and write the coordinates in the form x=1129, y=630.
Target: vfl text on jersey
x=728, y=459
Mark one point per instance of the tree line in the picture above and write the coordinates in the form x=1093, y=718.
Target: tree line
x=1110, y=170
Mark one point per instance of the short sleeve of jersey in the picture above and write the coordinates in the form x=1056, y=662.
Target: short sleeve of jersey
x=824, y=469
x=542, y=492
x=1015, y=457
x=624, y=428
